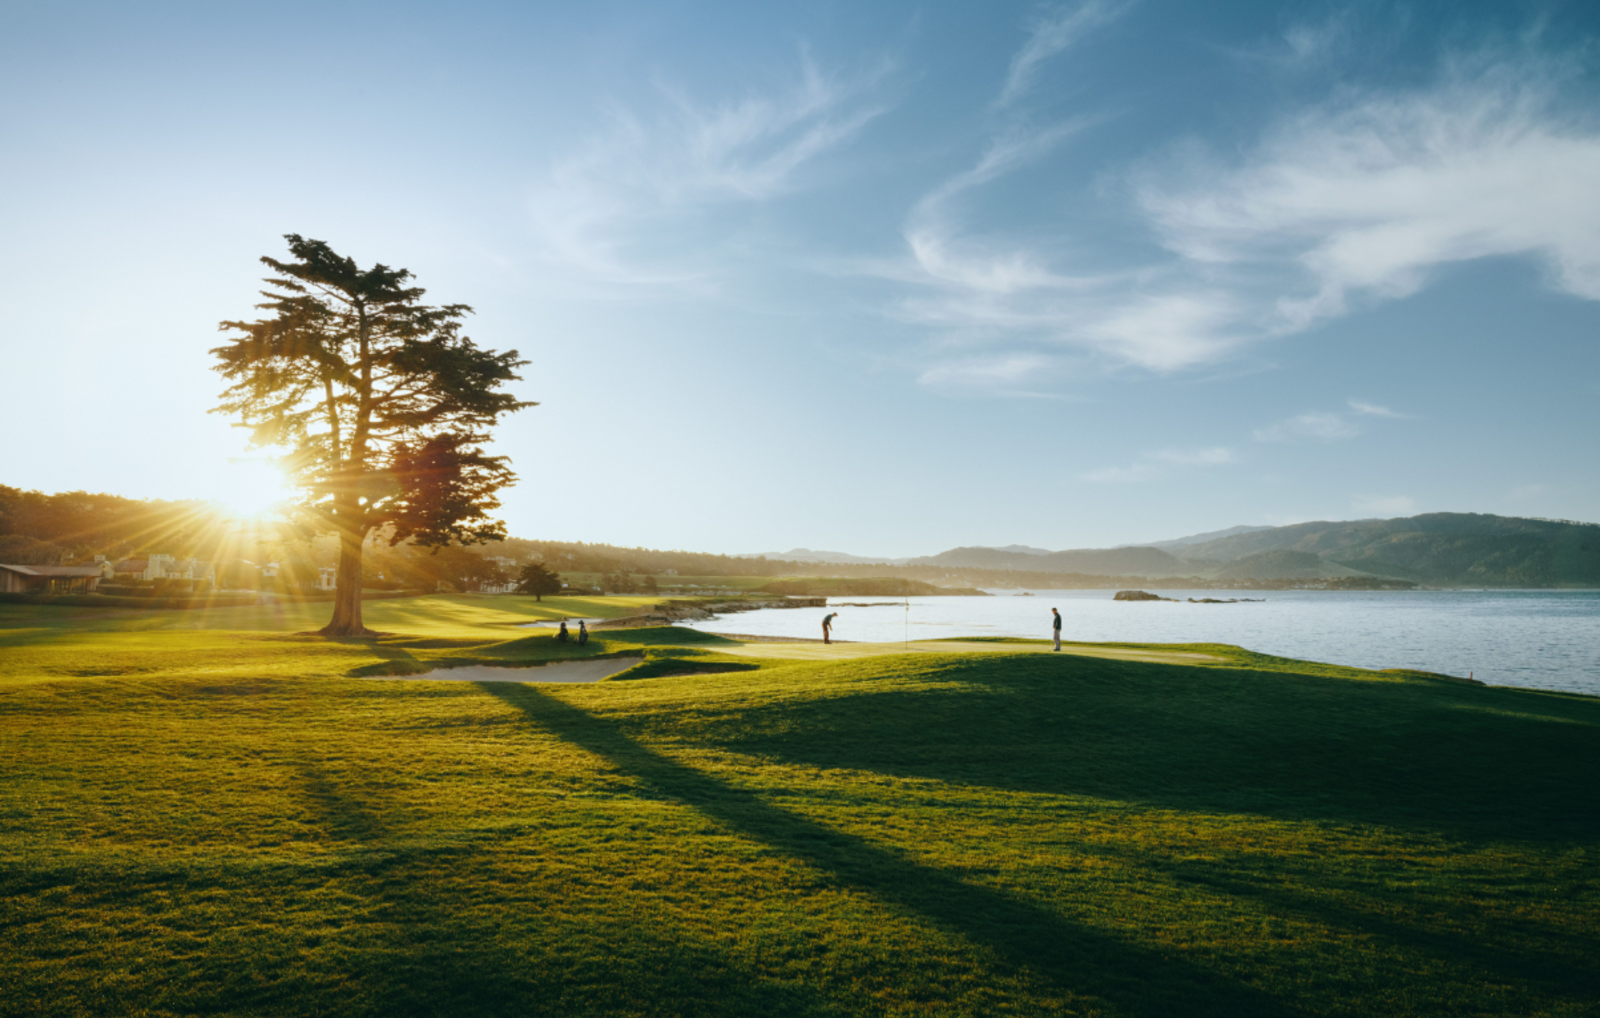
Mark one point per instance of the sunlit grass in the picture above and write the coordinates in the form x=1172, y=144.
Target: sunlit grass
x=228, y=821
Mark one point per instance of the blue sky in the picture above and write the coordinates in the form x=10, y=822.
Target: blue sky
x=883, y=278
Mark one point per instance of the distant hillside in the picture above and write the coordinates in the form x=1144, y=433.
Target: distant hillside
x=1101, y=561
x=1282, y=565
x=1441, y=549
x=808, y=555
x=1437, y=549
x=1181, y=545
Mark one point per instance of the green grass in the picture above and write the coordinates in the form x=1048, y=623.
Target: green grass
x=203, y=812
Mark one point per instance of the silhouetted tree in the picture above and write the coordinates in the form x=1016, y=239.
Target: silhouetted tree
x=538, y=581
x=382, y=405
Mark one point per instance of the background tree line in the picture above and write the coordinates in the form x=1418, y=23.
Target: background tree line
x=72, y=527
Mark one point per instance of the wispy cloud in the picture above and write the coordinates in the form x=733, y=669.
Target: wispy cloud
x=1014, y=375
x=1147, y=468
x=1308, y=45
x=1053, y=33
x=1368, y=195
x=619, y=209
x=1320, y=426
x=997, y=289
x=1354, y=201
x=1308, y=42
x=1214, y=456
x=1326, y=426
x=1374, y=410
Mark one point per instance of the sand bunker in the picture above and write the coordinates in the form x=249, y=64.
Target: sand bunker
x=566, y=671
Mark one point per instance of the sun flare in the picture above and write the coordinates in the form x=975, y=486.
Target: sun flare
x=252, y=488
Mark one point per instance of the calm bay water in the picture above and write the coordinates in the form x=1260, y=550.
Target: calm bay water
x=1540, y=639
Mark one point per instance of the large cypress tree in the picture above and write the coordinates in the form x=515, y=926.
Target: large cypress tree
x=381, y=404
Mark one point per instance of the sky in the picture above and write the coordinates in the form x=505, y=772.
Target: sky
x=882, y=278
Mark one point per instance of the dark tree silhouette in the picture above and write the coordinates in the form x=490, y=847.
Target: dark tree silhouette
x=538, y=581
x=381, y=404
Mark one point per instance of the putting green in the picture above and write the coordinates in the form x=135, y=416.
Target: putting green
x=812, y=651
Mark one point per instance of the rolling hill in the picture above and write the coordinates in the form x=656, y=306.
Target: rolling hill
x=1471, y=549
x=1437, y=549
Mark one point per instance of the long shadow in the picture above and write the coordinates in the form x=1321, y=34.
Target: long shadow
x=442, y=958
x=1516, y=951
x=1136, y=981
x=341, y=816
x=1452, y=760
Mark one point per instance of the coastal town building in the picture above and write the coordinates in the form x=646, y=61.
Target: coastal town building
x=160, y=567
x=17, y=579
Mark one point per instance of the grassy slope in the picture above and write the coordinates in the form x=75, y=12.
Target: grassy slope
x=227, y=820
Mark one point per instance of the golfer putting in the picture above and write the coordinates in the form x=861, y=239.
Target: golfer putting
x=827, y=626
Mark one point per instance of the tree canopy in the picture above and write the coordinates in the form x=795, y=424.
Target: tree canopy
x=381, y=406
x=538, y=581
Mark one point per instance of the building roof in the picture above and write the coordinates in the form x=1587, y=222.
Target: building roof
x=131, y=565
x=53, y=570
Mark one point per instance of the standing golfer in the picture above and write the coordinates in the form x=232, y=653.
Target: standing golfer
x=827, y=626
x=1055, y=627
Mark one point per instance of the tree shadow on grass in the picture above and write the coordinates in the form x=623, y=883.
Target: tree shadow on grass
x=392, y=660
x=1072, y=959
x=1453, y=760
x=1517, y=948
x=444, y=953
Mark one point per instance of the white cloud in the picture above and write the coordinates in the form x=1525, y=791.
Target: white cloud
x=1053, y=34
x=1393, y=505
x=1325, y=426
x=1007, y=290
x=1306, y=42
x=1370, y=194
x=1355, y=201
x=598, y=210
x=1321, y=426
x=1016, y=374
x=1214, y=456
x=1146, y=469
x=1373, y=410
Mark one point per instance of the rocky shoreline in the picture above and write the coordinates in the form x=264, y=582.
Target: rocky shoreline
x=670, y=612
x=1145, y=595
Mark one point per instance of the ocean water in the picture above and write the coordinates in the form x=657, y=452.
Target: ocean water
x=1540, y=639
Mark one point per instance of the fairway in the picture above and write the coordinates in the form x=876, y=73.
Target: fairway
x=211, y=813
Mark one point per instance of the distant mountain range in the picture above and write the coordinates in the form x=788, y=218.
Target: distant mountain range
x=1184, y=542
x=826, y=557
x=1435, y=549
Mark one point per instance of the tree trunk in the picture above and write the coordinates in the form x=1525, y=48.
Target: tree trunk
x=347, y=588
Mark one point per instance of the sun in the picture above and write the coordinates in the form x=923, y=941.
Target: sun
x=251, y=488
